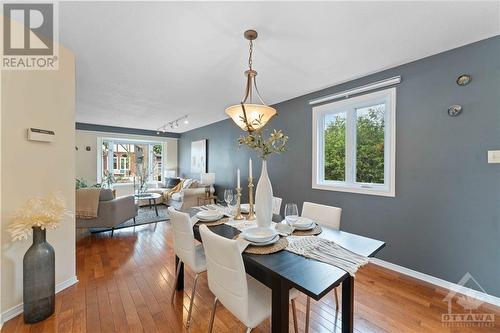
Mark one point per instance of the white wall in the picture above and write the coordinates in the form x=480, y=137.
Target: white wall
x=86, y=161
x=40, y=99
x=1, y=219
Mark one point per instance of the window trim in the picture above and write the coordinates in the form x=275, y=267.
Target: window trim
x=318, y=112
x=119, y=140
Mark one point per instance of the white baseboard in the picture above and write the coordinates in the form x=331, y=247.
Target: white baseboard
x=18, y=309
x=439, y=282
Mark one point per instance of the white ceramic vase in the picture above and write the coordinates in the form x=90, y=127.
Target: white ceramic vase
x=264, y=199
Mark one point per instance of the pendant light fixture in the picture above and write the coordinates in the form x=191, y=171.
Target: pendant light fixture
x=250, y=116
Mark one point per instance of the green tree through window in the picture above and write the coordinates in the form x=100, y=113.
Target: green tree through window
x=369, y=145
x=335, y=147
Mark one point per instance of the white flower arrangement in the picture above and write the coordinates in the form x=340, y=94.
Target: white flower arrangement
x=45, y=213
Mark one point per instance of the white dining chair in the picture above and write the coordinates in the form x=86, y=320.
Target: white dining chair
x=246, y=298
x=277, y=205
x=328, y=216
x=187, y=251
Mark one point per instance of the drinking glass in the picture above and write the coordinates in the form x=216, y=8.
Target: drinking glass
x=228, y=196
x=231, y=206
x=291, y=213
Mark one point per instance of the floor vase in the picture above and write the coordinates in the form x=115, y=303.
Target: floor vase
x=264, y=199
x=39, y=279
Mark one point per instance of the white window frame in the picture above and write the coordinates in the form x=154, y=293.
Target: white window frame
x=119, y=140
x=348, y=106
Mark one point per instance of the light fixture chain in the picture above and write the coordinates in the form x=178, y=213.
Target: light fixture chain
x=250, y=55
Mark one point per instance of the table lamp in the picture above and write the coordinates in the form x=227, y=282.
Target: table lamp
x=207, y=179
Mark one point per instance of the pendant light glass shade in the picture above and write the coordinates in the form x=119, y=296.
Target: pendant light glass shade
x=251, y=116
x=257, y=115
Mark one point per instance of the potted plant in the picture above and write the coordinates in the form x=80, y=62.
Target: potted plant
x=36, y=216
x=107, y=180
x=274, y=144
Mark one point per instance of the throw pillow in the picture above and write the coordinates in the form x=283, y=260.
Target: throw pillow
x=187, y=183
x=172, y=182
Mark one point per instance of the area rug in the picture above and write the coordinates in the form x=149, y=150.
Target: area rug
x=145, y=215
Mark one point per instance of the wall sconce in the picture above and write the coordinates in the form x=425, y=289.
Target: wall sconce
x=454, y=110
x=464, y=79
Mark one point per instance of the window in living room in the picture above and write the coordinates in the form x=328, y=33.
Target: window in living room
x=354, y=144
x=129, y=160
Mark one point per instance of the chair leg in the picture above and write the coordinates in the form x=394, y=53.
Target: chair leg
x=214, y=307
x=308, y=312
x=336, y=299
x=192, y=300
x=294, y=314
x=175, y=282
x=134, y=220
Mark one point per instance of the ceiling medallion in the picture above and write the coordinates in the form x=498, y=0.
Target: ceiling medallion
x=248, y=115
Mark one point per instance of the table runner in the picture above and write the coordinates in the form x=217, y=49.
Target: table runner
x=326, y=251
x=312, y=247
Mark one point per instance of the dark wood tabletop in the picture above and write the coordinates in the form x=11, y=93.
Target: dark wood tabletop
x=284, y=270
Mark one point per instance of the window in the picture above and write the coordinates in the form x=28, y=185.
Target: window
x=124, y=162
x=354, y=144
x=127, y=160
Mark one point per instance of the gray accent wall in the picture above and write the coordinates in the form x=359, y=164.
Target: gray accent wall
x=445, y=218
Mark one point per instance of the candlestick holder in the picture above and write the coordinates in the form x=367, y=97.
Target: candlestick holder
x=238, y=215
x=251, y=212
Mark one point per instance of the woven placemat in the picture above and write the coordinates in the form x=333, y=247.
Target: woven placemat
x=313, y=232
x=273, y=248
x=214, y=223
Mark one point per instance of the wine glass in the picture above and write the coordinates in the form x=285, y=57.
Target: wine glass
x=228, y=196
x=230, y=200
x=231, y=206
x=291, y=213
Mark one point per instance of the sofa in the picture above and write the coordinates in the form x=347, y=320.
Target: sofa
x=111, y=211
x=186, y=198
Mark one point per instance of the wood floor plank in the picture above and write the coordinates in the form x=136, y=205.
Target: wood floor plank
x=125, y=283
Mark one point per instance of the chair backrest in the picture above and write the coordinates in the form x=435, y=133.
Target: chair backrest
x=184, y=246
x=106, y=194
x=277, y=205
x=227, y=278
x=325, y=215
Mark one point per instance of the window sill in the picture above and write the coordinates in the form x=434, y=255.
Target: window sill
x=355, y=189
x=122, y=184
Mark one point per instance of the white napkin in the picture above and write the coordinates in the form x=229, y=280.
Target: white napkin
x=241, y=224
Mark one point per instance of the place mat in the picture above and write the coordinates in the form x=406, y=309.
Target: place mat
x=214, y=223
x=273, y=248
x=313, y=232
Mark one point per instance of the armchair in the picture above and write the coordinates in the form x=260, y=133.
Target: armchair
x=111, y=212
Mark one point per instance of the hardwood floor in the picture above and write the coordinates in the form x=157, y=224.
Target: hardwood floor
x=125, y=282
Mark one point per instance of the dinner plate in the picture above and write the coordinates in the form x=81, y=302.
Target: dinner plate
x=303, y=223
x=304, y=228
x=259, y=234
x=209, y=215
x=272, y=241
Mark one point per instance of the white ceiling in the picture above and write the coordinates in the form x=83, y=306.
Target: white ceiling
x=141, y=65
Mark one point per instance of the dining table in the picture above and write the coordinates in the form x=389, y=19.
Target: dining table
x=284, y=270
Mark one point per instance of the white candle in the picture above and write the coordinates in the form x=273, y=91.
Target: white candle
x=238, y=176
x=250, y=168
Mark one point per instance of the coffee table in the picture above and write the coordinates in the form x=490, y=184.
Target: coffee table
x=151, y=198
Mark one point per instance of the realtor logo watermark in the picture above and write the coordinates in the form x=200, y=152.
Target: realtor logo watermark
x=30, y=36
x=470, y=316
